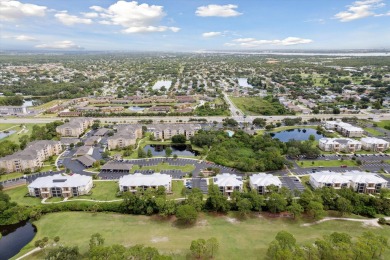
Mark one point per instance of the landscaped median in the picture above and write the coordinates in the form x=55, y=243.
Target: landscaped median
x=330, y=163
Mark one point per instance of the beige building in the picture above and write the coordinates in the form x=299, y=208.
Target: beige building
x=339, y=145
x=374, y=144
x=126, y=135
x=32, y=157
x=165, y=132
x=75, y=127
x=345, y=129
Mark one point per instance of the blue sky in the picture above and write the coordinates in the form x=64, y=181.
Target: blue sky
x=189, y=25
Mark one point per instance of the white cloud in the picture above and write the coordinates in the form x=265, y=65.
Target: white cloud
x=25, y=38
x=252, y=42
x=211, y=34
x=359, y=10
x=69, y=20
x=60, y=45
x=134, y=17
x=15, y=10
x=218, y=10
x=90, y=15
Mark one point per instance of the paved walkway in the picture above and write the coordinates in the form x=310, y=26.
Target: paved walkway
x=366, y=222
x=29, y=253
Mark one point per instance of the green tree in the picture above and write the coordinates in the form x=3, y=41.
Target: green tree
x=216, y=201
x=179, y=139
x=212, y=246
x=168, y=151
x=276, y=203
x=295, y=209
x=186, y=214
x=63, y=253
x=244, y=206
x=141, y=153
x=344, y=206
x=96, y=240
x=195, y=199
x=198, y=248
x=149, y=154
x=315, y=209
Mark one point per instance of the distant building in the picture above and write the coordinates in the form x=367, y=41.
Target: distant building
x=374, y=144
x=136, y=181
x=126, y=135
x=32, y=157
x=260, y=182
x=339, y=145
x=228, y=183
x=165, y=132
x=83, y=150
x=361, y=182
x=345, y=129
x=75, y=127
x=60, y=186
x=13, y=110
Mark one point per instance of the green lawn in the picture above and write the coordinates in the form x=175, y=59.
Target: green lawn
x=48, y=104
x=373, y=131
x=15, y=136
x=177, y=187
x=248, y=239
x=383, y=123
x=331, y=163
x=165, y=166
x=18, y=195
x=102, y=190
x=6, y=126
x=254, y=106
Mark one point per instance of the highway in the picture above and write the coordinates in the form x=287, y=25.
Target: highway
x=175, y=119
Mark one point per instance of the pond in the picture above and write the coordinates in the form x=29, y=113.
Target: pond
x=136, y=109
x=179, y=149
x=160, y=83
x=5, y=134
x=297, y=134
x=15, y=237
x=243, y=82
x=229, y=132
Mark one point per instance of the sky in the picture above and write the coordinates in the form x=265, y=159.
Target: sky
x=193, y=25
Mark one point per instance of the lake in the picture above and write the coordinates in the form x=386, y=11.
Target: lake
x=179, y=149
x=300, y=134
x=243, y=82
x=160, y=83
x=4, y=135
x=15, y=237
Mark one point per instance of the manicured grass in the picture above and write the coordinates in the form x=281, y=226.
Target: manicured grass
x=102, y=190
x=256, y=106
x=165, y=166
x=331, y=163
x=177, y=187
x=15, y=136
x=248, y=239
x=18, y=195
x=6, y=126
x=48, y=104
x=373, y=131
x=11, y=175
x=383, y=123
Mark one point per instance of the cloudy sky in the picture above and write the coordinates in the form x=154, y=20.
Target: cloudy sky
x=190, y=25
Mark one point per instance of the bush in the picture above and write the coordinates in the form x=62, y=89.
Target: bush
x=382, y=221
x=186, y=214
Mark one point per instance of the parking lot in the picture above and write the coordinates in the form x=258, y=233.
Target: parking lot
x=292, y=183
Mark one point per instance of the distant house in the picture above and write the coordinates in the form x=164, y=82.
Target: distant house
x=185, y=99
x=345, y=129
x=361, y=182
x=126, y=135
x=228, y=183
x=160, y=109
x=166, y=131
x=83, y=150
x=339, y=145
x=13, y=110
x=60, y=186
x=374, y=144
x=260, y=182
x=101, y=132
x=91, y=141
x=69, y=114
x=137, y=181
x=75, y=127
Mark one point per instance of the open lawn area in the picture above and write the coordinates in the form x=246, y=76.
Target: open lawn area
x=15, y=136
x=165, y=166
x=102, y=190
x=18, y=195
x=331, y=163
x=6, y=126
x=383, y=123
x=254, y=106
x=248, y=239
x=48, y=104
x=373, y=131
x=177, y=187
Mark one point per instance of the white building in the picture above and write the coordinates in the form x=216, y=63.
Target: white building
x=339, y=145
x=60, y=186
x=345, y=129
x=374, y=144
x=13, y=110
x=361, y=182
x=136, y=181
x=260, y=182
x=228, y=183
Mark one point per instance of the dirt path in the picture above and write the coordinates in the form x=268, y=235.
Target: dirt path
x=29, y=253
x=366, y=222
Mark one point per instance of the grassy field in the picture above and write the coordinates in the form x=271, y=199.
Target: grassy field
x=102, y=190
x=331, y=163
x=383, y=123
x=6, y=126
x=18, y=195
x=248, y=239
x=373, y=131
x=15, y=136
x=165, y=166
x=177, y=187
x=255, y=106
x=48, y=104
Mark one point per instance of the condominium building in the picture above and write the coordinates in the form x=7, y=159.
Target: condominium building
x=138, y=181
x=339, y=145
x=13, y=110
x=260, y=182
x=361, y=182
x=32, y=157
x=345, y=129
x=165, y=132
x=228, y=183
x=126, y=135
x=374, y=144
x=60, y=186
x=75, y=127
